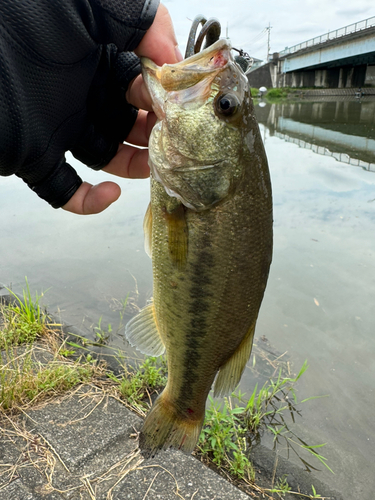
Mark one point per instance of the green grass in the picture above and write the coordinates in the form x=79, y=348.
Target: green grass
x=24, y=381
x=271, y=400
x=278, y=93
x=230, y=429
x=137, y=385
x=281, y=487
x=102, y=335
x=25, y=332
x=222, y=440
x=23, y=320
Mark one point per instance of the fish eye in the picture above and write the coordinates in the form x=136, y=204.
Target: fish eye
x=227, y=104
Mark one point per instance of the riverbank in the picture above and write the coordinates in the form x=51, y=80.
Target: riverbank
x=68, y=432
x=301, y=93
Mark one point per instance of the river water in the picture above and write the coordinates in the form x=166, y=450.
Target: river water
x=319, y=303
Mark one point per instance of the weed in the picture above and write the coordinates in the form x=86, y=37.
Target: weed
x=153, y=376
x=24, y=380
x=66, y=353
x=57, y=378
x=22, y=320
x=315, y=494
x=266, y=409
x=228, y=430
x=222, y=441
x=278, y=93
x=271, y=400
x=135, y=384
x=102, y=336
x=28, y=309
x=281, y=487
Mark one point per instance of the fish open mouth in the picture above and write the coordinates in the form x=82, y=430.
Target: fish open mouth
x=190, y=71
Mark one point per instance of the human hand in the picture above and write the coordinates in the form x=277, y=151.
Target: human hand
x=160, y=45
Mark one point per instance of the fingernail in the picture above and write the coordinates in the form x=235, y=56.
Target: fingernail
x=178, y=54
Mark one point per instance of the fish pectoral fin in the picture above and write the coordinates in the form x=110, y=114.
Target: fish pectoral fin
x=142, y=332
x=230, y=373
x=147, y=229
x=177, y=235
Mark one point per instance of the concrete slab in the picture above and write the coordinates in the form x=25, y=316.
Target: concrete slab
x=173, y=475
x=16, y=491
x=80, y=427
x=93, y=436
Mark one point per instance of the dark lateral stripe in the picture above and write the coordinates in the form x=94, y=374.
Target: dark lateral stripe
x=200, y=297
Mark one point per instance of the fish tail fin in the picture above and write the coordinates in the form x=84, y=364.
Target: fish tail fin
x=165, y=428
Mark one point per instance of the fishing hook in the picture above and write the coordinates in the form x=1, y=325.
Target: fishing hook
x=210, y=31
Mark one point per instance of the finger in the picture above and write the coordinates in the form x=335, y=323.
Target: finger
x=160, y=43
x=129, y=162
x=141, y=130
x=137, y=94
x=89, y=199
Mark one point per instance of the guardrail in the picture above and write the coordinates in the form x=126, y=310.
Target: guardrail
x=331, y=35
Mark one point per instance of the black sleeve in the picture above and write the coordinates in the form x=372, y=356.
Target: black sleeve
x=64, y=69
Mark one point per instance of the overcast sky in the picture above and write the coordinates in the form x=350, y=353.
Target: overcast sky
x=292, y=21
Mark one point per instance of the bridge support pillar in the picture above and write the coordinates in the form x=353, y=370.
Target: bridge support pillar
x=320, y=78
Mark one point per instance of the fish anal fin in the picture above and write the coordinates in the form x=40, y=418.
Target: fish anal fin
x=177, y=235
x=142, y=332
x=165, y=428
x=230, y=373
x=147, y=229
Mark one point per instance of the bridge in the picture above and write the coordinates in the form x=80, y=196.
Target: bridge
x=340, y=129
x=344, y=58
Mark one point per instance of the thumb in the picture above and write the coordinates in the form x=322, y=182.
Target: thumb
x=160, y=43
x=89, y=199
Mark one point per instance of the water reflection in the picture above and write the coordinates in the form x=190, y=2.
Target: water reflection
x=343, y=129
x=322, y=285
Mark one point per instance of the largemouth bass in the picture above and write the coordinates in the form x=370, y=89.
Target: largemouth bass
x=209, y=231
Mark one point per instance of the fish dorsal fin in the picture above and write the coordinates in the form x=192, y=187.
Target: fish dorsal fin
x=142, y=332
x=177, y=235
x=147, y=229
x=230, y=373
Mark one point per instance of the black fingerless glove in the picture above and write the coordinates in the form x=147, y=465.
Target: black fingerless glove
x=64, y=70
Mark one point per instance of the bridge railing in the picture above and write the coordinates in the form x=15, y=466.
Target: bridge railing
x=331, y=35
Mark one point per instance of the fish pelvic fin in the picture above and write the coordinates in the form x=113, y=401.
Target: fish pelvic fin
x=147, y=229
x=165, y=428
x=230, y=373
x=142, y=332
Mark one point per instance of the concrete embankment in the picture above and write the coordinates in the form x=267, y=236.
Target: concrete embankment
x=83, y=445
x=353, y=92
